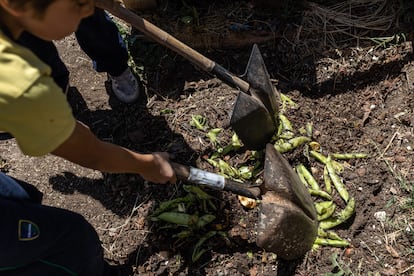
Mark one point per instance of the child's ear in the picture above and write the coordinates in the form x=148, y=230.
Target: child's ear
x=10, y=8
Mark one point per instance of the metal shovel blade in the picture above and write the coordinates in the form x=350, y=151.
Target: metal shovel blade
x=283, y=228
x=254, y=114
x=260, y=85
x=251, y=121
x=282, y=179
x=287, y=223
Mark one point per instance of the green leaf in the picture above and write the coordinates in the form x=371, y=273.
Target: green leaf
x=198, y=122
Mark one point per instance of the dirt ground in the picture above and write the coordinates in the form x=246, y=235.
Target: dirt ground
x=359, y=99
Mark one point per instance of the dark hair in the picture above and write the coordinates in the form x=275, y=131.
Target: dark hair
x=38, y=5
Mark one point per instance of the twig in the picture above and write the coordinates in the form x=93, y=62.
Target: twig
x=363, y=244
x=150, y=230
x=139, y=248
x=407, y=269
x=390, y=142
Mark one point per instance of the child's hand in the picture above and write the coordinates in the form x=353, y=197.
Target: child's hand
x=160, y=170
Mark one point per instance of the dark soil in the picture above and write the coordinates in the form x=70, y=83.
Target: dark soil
x=359, y=99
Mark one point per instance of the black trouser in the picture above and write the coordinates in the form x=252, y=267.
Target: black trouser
x=41, y=240
x=98, y=37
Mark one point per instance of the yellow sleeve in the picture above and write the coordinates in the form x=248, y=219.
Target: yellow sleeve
x=40, y=118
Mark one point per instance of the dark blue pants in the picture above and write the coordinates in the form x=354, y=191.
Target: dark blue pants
x=42, y=240
x=59, y=242
x=99, y=38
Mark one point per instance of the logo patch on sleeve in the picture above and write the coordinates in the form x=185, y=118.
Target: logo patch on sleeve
x=28, y=230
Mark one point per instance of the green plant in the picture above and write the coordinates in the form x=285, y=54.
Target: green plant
x=189, y=220
x=408, y=203
x=125, y=33
x=190, y=14
x=339, y=268
x=388, y=41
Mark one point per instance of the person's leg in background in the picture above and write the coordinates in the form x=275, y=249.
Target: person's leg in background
x=100, y=39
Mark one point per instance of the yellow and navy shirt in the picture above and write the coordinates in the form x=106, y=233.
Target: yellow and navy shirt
x=32, y=106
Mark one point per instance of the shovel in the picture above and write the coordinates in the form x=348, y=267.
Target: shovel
x=287, y=222
x=254, y=113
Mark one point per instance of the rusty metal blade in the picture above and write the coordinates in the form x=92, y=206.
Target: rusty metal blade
x=252, y=122
x=280, y=178
x=287, y=219
x=283, y=228
x=260, y=85
x=254, y=117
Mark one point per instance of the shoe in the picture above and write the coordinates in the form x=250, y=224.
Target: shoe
x=125, y=86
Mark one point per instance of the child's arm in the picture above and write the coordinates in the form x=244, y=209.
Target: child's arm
x=85, y=149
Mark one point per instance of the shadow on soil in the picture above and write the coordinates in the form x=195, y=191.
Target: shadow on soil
x=130, y=126
x=172, y=71
x=292, y=63
x=141, y=255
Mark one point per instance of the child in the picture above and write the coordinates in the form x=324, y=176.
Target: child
x=37, y=239
x=100, y=39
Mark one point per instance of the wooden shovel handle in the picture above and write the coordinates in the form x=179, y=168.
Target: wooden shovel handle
x=215, y=181
x=172, y=43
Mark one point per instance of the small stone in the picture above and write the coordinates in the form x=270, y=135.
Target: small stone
x=400, y=159
x=361, y=172
x=314, y=170
x=380, y=216
x=349, y=252
x=164, y=255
